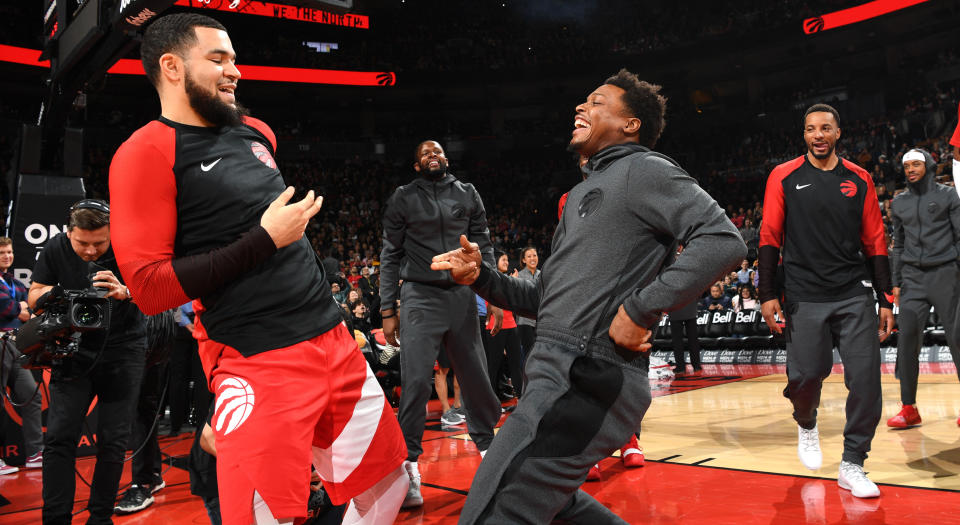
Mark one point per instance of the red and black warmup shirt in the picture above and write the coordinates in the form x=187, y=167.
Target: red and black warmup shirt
x=186, y=203
x=827, y=224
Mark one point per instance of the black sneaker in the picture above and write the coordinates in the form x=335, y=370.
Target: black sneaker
x=135, y=499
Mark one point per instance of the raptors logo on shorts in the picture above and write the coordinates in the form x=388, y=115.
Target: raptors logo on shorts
x=234, y=404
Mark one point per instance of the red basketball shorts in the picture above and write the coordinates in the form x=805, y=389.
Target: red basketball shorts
x=279, y=411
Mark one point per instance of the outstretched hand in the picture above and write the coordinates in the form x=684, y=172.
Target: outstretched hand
x=463, y=263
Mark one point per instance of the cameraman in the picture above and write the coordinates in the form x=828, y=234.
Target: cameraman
x=108, y=365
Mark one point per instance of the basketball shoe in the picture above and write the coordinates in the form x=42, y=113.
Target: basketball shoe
x=853, y=479
x=808, y=447
x=908, y=417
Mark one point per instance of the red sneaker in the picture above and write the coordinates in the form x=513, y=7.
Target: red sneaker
x=908, y=417
x=632, y=453
x=594, y=474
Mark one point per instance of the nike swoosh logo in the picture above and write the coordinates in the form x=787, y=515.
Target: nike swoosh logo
x=208, y=167
x=799, y=187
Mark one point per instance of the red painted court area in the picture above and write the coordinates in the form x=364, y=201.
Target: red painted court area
x=662, y=492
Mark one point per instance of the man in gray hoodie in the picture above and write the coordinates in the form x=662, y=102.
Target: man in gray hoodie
x=605, y=286
x=926, y=236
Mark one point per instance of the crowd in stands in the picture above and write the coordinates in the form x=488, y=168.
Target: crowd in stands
x=521, y=197
x=472, y=36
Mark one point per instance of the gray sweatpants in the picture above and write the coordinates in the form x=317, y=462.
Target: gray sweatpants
x=813, y=329
x=431, y=317
x=920, y=289
x=576, y=410
x=22, y=387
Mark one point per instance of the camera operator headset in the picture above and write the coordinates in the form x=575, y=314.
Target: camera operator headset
x=108, y=365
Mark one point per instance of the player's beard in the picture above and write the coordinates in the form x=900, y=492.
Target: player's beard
x=210, y=107
x=436, y=173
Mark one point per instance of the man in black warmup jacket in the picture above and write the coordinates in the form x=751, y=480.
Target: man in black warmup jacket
x=926, y=236
x=424, y=218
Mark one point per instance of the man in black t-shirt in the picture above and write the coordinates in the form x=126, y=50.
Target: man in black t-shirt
x=109, y=365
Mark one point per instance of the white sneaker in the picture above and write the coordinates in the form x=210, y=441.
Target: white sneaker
x=413, y=499
x=808, y=447
x=853, y=479
x=7, y=469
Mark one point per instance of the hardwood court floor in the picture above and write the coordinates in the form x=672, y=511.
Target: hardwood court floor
x=721, y=448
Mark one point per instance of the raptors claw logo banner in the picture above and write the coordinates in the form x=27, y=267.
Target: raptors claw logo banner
x=855, y=14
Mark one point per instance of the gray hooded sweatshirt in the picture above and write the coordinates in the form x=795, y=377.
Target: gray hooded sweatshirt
x=926, y=223
x=617, y=234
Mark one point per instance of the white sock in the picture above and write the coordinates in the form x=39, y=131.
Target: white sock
x=262, y=514
x=379, y=504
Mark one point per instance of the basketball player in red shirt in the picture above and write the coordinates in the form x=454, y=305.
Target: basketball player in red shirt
x=201, y=213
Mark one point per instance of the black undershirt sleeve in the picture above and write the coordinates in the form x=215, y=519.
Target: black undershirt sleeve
x=205, y=273
x=768, y=257
x=882, y=282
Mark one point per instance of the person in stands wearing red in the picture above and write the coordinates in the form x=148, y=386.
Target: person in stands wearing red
x=506, y=339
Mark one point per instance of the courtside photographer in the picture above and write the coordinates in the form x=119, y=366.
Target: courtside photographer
x=107, y=363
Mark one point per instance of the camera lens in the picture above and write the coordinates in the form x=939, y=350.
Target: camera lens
x=85, y=314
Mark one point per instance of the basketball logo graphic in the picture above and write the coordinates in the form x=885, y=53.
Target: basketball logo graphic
x=590, y=202
x=848, y=188
x=386, y=79
x=813, y=25
x=234, y=404
x=263, y=154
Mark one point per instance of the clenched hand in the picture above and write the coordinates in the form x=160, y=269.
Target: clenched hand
x=627, y=334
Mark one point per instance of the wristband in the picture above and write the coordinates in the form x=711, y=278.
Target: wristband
x=388, y=316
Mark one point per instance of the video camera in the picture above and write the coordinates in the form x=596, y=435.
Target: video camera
x=62, y=316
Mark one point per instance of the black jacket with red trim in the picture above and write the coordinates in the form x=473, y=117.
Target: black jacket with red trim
x=186, y=204
x=826, y=224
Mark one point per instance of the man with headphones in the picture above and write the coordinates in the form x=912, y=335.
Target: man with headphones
x=108, y=365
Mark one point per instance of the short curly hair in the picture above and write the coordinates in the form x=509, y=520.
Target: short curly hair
x=645, y=102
